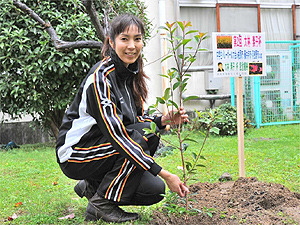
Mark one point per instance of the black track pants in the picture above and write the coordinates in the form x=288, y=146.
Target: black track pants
x=119, y=180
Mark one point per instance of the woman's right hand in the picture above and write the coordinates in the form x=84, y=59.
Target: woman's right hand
x=175, y=117
x=174, y=183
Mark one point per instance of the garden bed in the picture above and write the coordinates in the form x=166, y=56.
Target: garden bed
x=245, y=201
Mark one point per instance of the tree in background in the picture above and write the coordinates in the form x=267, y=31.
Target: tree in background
x=46, y=49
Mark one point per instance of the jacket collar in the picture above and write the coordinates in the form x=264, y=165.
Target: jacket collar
x=121, y=70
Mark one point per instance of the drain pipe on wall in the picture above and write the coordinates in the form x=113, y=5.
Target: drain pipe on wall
x=163, y=46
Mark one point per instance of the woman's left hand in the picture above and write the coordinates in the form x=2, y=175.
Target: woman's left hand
x=174, y=183
x=175, y=117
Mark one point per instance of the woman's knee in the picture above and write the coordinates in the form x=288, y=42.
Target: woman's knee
x=159, y=187
x=150, y=184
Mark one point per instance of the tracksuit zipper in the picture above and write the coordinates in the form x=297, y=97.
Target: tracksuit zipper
x=126, y=89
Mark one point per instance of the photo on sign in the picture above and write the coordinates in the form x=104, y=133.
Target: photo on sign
x=224, y=42
x=256, y=68
x=220, y=67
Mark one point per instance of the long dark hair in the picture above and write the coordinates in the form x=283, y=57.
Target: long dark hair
x=117, y=26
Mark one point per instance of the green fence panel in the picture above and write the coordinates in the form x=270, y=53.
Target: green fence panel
x=275, y=98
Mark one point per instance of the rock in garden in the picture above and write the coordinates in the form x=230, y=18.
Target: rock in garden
x=225, y=177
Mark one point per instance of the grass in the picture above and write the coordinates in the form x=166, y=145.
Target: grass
x=272, y=154
x=30, y=175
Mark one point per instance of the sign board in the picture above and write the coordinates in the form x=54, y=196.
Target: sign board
x=238, y=54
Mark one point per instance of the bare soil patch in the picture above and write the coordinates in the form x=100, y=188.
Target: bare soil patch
x=245, y=201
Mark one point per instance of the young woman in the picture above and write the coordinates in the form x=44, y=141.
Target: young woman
x=101, y=141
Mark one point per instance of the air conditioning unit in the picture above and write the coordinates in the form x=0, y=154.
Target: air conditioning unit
x=277, y=85
x=211, y=82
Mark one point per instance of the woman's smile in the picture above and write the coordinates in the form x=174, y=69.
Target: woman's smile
x=128, y=45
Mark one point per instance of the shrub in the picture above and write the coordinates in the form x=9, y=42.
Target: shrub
x=227, y=122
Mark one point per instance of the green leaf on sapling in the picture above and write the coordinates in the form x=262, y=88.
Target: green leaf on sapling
x=165, y=58
x=192, y=31
x=153, y=126
x=180, y=25
x=147, y=131
x=190, y=139
x=186, y=41
x=160, y=100
x=176, y=85
x=194, y=155
x=200, y=165
x=174, y=104
x=167, y=94
x=190, y=98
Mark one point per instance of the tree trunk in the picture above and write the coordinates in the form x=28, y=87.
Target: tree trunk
x=54, y=130
x=54, y=121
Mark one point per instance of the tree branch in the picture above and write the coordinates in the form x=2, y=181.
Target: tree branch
x=58, y=44
x=90, y=8
x=141, y=9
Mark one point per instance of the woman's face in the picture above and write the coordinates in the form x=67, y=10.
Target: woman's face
x=128, y=45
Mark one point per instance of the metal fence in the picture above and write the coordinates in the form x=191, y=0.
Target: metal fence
x=275, y=98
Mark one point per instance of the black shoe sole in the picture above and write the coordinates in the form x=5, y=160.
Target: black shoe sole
x=91, y=215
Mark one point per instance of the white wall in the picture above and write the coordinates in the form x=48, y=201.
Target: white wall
x=276, y=21
x=152, y=52
x=6, y=118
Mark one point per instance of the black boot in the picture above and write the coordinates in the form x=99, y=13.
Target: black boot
x=101, y=208
x=85, y=188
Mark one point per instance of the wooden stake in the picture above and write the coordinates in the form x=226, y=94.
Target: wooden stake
x=240, y=126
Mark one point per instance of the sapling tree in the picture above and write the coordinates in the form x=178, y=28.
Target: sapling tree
x=184, y=55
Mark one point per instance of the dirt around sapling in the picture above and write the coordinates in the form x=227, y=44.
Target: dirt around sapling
x=245, y=201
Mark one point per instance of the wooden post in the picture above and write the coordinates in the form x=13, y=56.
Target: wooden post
x=240, y=126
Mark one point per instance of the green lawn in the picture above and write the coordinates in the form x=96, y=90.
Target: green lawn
x=30, y=175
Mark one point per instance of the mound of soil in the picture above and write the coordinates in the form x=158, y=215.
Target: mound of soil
x=245, y=201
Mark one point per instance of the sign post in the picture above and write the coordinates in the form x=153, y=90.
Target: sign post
x=239, y=55
x=240, y=125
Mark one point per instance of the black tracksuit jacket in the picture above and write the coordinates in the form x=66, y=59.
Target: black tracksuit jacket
x=94, y=126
